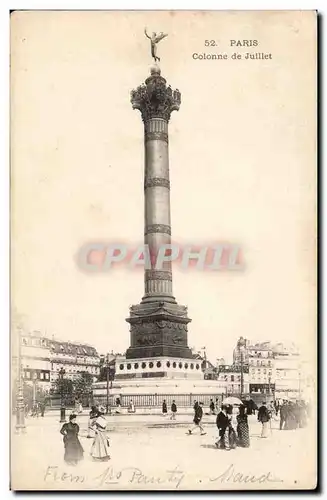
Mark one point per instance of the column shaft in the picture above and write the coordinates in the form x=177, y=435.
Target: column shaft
x=157, y=229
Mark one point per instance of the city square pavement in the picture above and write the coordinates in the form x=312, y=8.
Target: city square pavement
x=153, y=452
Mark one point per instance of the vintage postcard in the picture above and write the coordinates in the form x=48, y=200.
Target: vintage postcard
x=163, y=250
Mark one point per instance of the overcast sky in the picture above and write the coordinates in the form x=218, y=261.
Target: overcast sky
x=242, y=167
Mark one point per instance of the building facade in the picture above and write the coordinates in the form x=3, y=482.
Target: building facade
x=261, y=368
x=230, y=378
x=288, y=371
x=274, y=368
x=74, y=358
x=42, y=358
x=35, y=359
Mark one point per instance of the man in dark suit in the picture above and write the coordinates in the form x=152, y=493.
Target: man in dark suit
x=264, y=417
x=222, y=423
x=198, y=414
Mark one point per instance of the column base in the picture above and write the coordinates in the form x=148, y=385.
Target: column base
x=158, y=328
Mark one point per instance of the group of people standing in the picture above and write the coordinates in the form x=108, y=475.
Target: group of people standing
x=37, y=409
x=232, y=431
x=97, y=427
x=292, y=415
x=173, y=409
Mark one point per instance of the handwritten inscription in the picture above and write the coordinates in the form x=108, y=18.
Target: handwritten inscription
x=128, y=475
x=135, y=477
x=232, y=476
x=53, y=474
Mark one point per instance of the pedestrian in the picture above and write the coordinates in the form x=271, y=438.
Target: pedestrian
x=173, y=410
x=282, y=415
x=80, y=407
x=164, y=408
x=100, y=446
x=222, y=423
x=42, y=408
x=217, y=405
x=231, y=413
x=35, y=410
x=303, y=414
x=198, y=414
x=243, y=437
x=264, y=417
x=73, y=448
x=290, y=423
x=195, y=405
x=131, y=407
x=93, y=415
x=212, y=407
x=271, y=408
x=118, y=405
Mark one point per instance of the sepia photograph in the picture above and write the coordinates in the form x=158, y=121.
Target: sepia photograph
x=163, y=176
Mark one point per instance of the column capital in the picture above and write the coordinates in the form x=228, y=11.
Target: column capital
x=154, y=99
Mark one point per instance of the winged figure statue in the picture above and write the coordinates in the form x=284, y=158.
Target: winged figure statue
x=155, y=39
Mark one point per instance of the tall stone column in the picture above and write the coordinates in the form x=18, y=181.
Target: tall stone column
x=157, y=228
x=158, y=323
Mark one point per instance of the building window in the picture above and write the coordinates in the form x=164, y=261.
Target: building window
x=232, y=378
x=150, y=364
x=121, y=367
x=143, y=365
x=158, y=364
x=197, y=366
x=41, y=376
x=186, y=366
x=180, y=365
x=136, y=365
x=192, y=366
x=28, y=374
x=168, y=364
x=174, y=364
x=47, y=376
x=129, y=366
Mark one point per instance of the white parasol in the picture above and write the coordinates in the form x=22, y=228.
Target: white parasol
x=232, y=401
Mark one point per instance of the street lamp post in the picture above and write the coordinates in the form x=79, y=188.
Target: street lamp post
x=107, y=375
x=20, y=405
x=34, y=389
x=241, y=344
x=62, y=406
x=242, y=381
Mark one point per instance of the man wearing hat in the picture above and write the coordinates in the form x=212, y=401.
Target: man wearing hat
x=198, y=414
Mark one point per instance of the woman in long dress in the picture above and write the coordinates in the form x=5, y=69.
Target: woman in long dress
x=100, y=446
x=243, y=428
x=93, y=415
x=73, y=448
x=231, y=429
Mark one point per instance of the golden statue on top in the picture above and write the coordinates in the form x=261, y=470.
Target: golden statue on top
x=155, y=39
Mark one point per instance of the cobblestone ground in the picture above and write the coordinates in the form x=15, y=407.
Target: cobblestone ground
x=151, y=452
